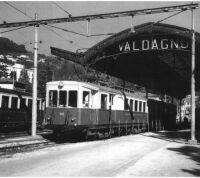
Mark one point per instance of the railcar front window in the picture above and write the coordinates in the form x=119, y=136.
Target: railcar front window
x=62, y=98
x=14, y=102
x=5, y=101
x=72, y=102
x=86, y=95
x=53, y=95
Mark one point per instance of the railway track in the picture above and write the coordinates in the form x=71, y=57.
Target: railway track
x=22, y=133
x=10, y=147
x=25, y=146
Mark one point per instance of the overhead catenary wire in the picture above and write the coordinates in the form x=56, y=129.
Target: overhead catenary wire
x=70, y=15
x=4, y=21
x=81, y=34
x=19, y=10
x=163, y=19
x=70, y=41
x=66, y=30
x=169, y=17
x=14, y=29
x=61, y=8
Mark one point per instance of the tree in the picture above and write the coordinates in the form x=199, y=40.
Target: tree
x=44, y=76
x=13, y=75
x=3, y=71
x=25, y=79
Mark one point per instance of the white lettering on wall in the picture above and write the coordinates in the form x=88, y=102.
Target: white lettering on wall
x=121, y=47
x=174, y=44
x=127, y=47
x=184, y=45
x=134, y=47
x=154, y=44
x=145, y=44
x=164, y=44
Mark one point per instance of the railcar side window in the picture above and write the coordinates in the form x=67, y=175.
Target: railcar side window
x=136, y=105
x=38, y=105
x=131, y=104
x=140, y=106
x=86, y=95
x=14, y=102
x=103, y=101
x=72, y=98
x=5, y=101
x=30, y=103
x=53, y=95
x=22, y=103
x=111, y=96
x=62, y=98
x=144, y=107
x=126, y=104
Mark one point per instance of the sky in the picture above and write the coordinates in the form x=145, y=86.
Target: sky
x=72, y=42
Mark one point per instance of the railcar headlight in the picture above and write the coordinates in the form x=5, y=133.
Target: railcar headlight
x=75, y=124
x=73, y=119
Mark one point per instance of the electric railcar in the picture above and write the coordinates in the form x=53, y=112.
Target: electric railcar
x=93, y=109
x=15, y=110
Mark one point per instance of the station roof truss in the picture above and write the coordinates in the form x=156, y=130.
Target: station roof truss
x=156, y=56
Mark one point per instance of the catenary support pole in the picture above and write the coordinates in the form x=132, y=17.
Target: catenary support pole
x=34, y=105
x=132, y=24
x=88, y=27
x=146, y=109
x=193, y=139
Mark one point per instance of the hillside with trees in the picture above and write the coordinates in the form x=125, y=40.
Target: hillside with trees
x=8, y=46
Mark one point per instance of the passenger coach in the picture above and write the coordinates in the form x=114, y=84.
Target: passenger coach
x=93, y=109
x=16, y=109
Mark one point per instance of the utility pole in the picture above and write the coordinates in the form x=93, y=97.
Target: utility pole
x=34, y=104
x=193, y=139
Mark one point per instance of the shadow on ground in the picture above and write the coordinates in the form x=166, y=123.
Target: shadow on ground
x=192, y=153
x=180, y=136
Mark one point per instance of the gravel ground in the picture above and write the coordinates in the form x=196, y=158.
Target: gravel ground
x=135, y=155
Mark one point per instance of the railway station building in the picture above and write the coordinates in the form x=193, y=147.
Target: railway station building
x=156, y=56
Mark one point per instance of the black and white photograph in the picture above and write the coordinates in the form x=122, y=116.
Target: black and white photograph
x=99, y=89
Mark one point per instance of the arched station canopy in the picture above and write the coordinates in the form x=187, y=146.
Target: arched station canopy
x=156, y=56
